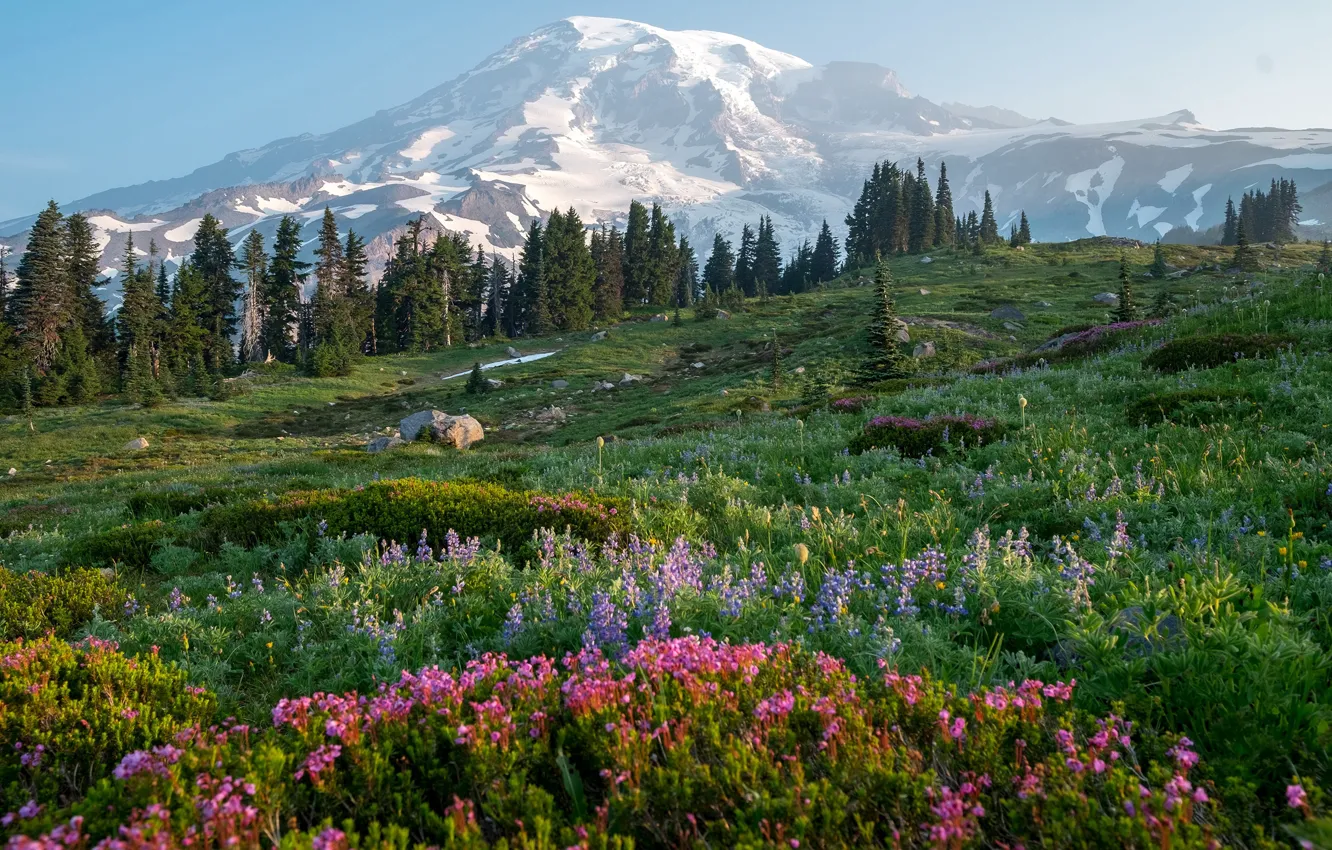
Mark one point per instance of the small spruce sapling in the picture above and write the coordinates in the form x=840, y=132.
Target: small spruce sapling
x=1127, y=311
x=476, y=382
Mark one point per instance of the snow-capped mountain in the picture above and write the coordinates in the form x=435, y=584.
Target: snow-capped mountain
x=591, y=113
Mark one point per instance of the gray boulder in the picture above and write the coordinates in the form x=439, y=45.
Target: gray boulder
x=924, y=350
x=512, y=352
x=722, y=314
x=382, y=444
x=927, y=260
x=560, y=384
x=661, y=317
x=494, y=384
x=411, y=427
x=138, y=444
x=598, y=386
x=699, y=365
x=1008, y=313
x=598, y=336
x=1109, y=299
x=629, y=379
x=924, y=291
x=457, y=431
x=1012, y=326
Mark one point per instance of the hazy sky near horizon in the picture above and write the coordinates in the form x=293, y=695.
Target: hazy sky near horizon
x=100, y=95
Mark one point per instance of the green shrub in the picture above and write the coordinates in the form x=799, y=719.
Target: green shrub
x=33, y=604
x=1208, y=352
x=171, y=503
x=128, y=546
x=1191, y=406
x=400, y=510
x=68, y=714
x=920, y=437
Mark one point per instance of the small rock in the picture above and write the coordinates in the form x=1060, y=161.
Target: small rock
x=599, y=336
x=552, y=414
x=1043, y=305
x=1008, y=313
x=13, y=471
x=924, y=350
x=1109, y=299
x=493, y=383
x=602, y=385
x=1012, y=326
x=723, y=392
x=698, y=365
x=927, y=260
x=629, y=379
x=903, y=333
x=661, y=317
x=382, y=444
x=512, y=352
x=800, y=370
x=404, y=374
x=722, y=314
x=924, y=292
x=137, y=445
x=560, y=384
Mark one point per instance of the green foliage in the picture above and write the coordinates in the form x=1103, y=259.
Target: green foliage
x=476, y=381
x=921, y=437
x=400, y=510
x=129, y=546
x=77, y=710
x=1193, y=406
x=1210, y=351
x=34, y=604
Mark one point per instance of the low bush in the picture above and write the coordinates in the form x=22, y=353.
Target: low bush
x=171, y=503
x=854, y=404
x=1191, y=406
x=34, y=604
x=920, y=437
x=1208, y=352
x=685, y=742
x=400, y=510
x=70, y=713
x=1073, y=343
x=129, y=545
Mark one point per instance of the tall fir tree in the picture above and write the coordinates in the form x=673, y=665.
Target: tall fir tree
x=82, y=258
x=185, y=335
x=355, y=288
x=41, y=304
x=328, y=308
x=989, y=226
x=608, y=290
x=744, y=263
x=663, y=258
x=570, y=273
x=1126, y=310
x=1325, y=259
x=1228, y=230
x=1024, y=230
x=887, y=360
x=823, y=266
x=253, y=265
x=1245, y=258
x=1159, y=269
x=637, y=248
x=767, y=268
x=921, y=229
x=532, y=307
x=944, y=230
x=686, y=276
x=137, y=323
x=283, y=286
x=213, y=259
x=4, y=285
x=719, y=271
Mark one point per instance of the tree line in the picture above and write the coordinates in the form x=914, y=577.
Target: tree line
x=1263, y=216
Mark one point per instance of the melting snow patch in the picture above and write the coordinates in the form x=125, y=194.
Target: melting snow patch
x=1174, y=179
x=1310, y=222
x=185, y=232
x=530, y=358
x=114, y=225
x=1145, y=215
x=425, y=143
x=1194, y=217
x=1092, y=188
x=358, y=210
x=1163, y=228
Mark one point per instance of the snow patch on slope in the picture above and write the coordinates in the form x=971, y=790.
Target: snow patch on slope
x=1092, y=188
x=1194, y=217
x=1174, y=179
x=185, y=232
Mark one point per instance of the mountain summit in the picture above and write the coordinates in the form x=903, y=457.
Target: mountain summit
x=591, y=113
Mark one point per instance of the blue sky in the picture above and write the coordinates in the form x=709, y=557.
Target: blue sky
x=99, y=94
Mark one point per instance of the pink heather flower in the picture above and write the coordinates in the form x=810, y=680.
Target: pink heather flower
x=1296, y=797
x=331, y=839
x=319, y=760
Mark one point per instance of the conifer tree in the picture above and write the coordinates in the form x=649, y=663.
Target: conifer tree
x=1244, y=259
x=329, y=313
x=637, y=247
x=608, y=290
x=4, y=285
x=1159, y=269
x=286, y=278
x=82, y=259
x=496, y=293
x=533, y=316
x=1024, y=230
x=719, y=271
x=767, y=269
x=663, y=259
x=922, y=213
x=355, y=287
x=570, y=273
x=686, y=277
x=476, y=381
x=253, y=264
x=887, y=359
x=1162, y=305
x=1228, y=231
x=1126, y=310
x=1325, y=259
x=823, y=263
x=41, y=304
x=213, y=259
x=137, y=324
x=744, y=263
x=989, y=226
x=944, y=230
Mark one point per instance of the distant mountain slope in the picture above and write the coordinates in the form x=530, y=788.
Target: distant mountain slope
x=594, y=112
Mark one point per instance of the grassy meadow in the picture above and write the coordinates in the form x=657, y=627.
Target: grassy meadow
x=716, y=605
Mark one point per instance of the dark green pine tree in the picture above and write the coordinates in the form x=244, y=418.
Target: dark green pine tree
x=253, y=265
x=283, y=287
x=213, y=259
x=82, y=258
x=476, y=381
x=1126, y=310
x=719, y=271
x=1024, y=230
x=570, y=273
x=185, y=335
x=799, y=273
x=767, y=259
x=1325, y=259
x=355, y=287
x=637, y=248
x=944, y=223
x=328, y=306
x=1245, y=258
x=686, y=277
x=887, y=360
x=1228, y=230
x=744, y=263
x=496, y=293
x=921, y=234
x=823, y=265
x=474, y=294
x=989, y=226
x=41, y=305
x=4, y=285
x=1159, y=269
x=532, y=315
x=608, y=290
x=137, y=324
x=1162, y=305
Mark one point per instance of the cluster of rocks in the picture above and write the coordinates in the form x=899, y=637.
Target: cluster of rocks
x=461, y=432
